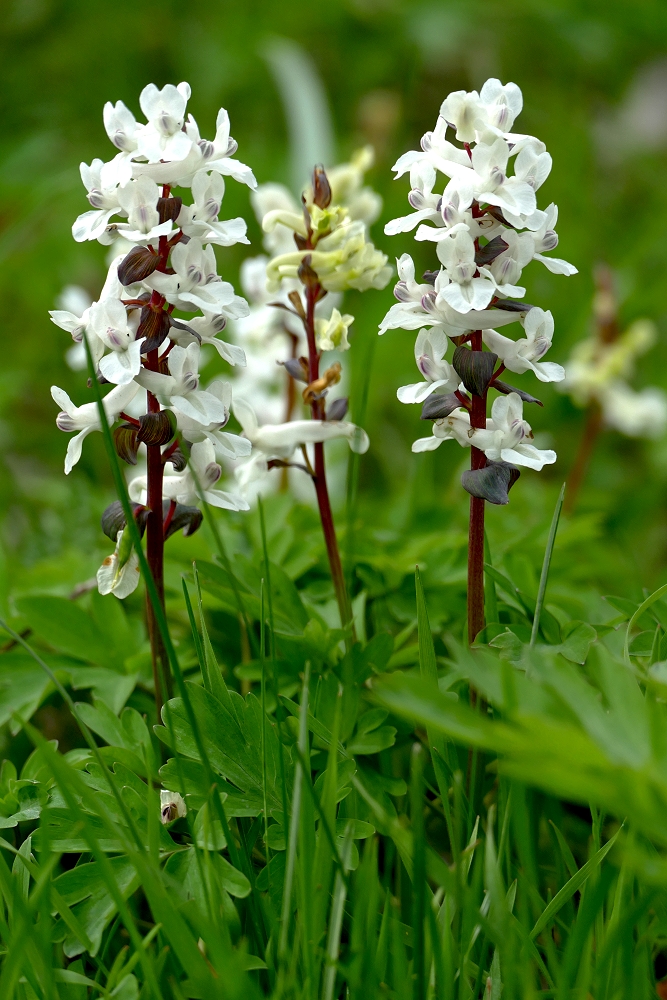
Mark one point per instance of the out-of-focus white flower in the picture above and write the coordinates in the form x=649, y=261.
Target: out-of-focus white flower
x=280, y=441
x=119, y=573
x=331, y=334
x=523, y=355
x=85, y=419
x=430, y=349
x=637, y=414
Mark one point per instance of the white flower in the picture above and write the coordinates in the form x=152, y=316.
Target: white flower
x=455, y=427
x=522, y=355
x=502, y=104
x=347, y=187
x=226, y=445
x=196, y=281
x=207, y=328
x=85, y=419
x=201, y=218
x=172, y=806
x=421, y=198
x=430, y=349
x=162, y=138
x=195, y=484
x=103, y=196
x=276, y=198
x=217, y=155
x=492, y=184
x=139, y=200
x=109, y=321
x=546, y=239
x=507, y=436
x=464, y=112
x=437, y=153
x=180, y=389
x=464, y=291
x=331, y=334
x=280, y=441
x=637, y=414
x=119, y=573
x=507, y=266
x=121, y=126
x=72, y=315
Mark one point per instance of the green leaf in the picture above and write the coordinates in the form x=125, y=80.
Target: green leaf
x=69, y=629
x=578, y=638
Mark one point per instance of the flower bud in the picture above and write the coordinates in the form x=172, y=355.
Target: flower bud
x=438, y=406
x=475, y=368
x=491, y=483
x=296, y=367
x=126, y=443
x=157, y=428
x=187, y=518
x=338, y=409
x=321, y=188
x=154, y=326
x=307, y=276
x=137, y=265
x=169, y=208
x=113, y=519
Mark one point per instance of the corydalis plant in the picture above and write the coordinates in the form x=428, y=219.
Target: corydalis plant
x=136, y=333
x=330, y=252
x=597, y=378
x=486, y=227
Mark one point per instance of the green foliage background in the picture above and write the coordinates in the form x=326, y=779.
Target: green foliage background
x=386, y=65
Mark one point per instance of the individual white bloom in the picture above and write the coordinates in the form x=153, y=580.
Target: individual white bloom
x=172, y=806
x=430, y=349
x=424, y=201
x=546, y=239
x=121, y=126
x=103, y=196
x=73, y=310
x=207, y=328
x=507, y=436
x=492, y=184
x=455, y=214
x=138, y=199
x=331, y=334
x=464, y=112
x=502, y=104
x=195, y=281
x=85, y=419
x=455, y=427
x=469, y=287
x=218, y=155
x=109, y=321
x=637, y=414
x=523, y=355
x=280, y=441
x=437, y=153
x=507, y=266
x=180, y=389
x=195, y=484
x=229, y=446
x=163, y=138
x=272, y=198
x=201, y=218
x=119, y=573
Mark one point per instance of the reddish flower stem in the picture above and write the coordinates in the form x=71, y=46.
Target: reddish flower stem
x=320, y=479
x=476, y=530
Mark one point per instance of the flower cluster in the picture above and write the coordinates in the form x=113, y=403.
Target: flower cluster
x=600, y=366
x=336, y=208
x=486, y=227
x=161, y=301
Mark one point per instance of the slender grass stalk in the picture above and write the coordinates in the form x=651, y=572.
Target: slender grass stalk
x=418, y=872
x=544, y=576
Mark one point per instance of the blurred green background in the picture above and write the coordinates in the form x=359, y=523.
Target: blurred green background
x=594, y=77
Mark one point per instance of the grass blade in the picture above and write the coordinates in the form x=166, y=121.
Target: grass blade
x=544, y=576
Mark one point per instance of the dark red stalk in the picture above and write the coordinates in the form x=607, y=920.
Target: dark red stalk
x=320, y=479
x=476, y=531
